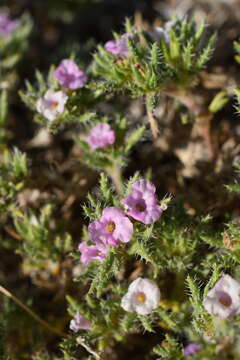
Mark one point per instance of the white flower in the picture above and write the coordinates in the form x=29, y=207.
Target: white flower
x=52, y=104
x=224, y=298
x=142, y=297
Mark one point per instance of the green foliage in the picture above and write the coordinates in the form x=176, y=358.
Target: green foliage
x=236, y=45
x=13, y=174
x=219, y=101
x=114, y=156
x=12, y=49
x=155, y=67
x=43, y=243
x=170, y=349
x=78, y=106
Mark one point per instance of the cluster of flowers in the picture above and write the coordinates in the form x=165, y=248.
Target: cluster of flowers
x=143, y=296
x=70, y=76
x=115, y=227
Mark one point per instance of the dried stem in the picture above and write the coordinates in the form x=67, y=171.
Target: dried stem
x=153, y=123
x=31, y=312
x=116, y=176
x=81, y=342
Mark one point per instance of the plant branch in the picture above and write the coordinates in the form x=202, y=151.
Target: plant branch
x=153, y=123
x=31, y=312
x=81, y=342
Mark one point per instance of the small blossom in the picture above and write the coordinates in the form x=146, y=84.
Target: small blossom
x=92, y=252
x=112, y=228
x=162, y=32
x=142, y=203
x=119, y=46
x=142, y=297
x=223, y=300
x=79, y=322
x=52, y=104
x=69, y=75
x=101, y=136
x=192, y=349
x=7, y=25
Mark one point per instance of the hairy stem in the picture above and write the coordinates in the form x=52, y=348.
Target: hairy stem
x=31, y=312
x=115, y=174
x=153, y=123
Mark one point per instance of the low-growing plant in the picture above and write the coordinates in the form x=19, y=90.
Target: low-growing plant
x=143, y=264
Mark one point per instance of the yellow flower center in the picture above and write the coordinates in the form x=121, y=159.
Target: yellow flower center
x=141, y=298
x=140, y=207
x=53, y=106
x=111, y=227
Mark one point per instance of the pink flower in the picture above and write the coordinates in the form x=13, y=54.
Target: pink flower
x=119, y=46
x=142, y=297
x=52, y=104
x=112, y=228
x=92, y=252
x=69, y=75
x=223, y=300
x=7, y=25
x=79, y=322
x=101, y=136
x=142, y=203
x=192, y=349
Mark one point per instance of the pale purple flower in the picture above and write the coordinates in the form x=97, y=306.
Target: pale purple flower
x=119, y=46
x=223, y=300
x=52, y=104
x=101, y=136
x=92, y=252
x=142, y=297
x=7, y=25
x=192, y=349
x=79, y=322
x=141, y=204
x=112, y=228
x=69, y=75
x=162, y=32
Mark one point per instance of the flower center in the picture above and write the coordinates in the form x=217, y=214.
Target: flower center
x=53, y=105
x=140, y=298
x=225, y=299
x=140, y=207
x=111, y=227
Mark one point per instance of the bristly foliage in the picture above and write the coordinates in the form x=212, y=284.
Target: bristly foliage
x=78, y=105
x=185, y=255
x=13, y=174
x=153, y=67
x=112, y=156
